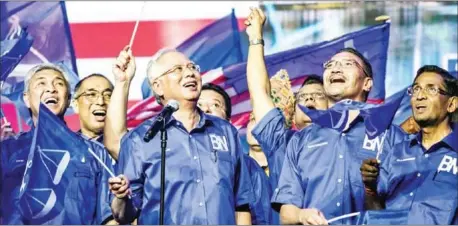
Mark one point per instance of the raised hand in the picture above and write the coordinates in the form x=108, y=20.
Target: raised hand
x=254, y=23
x=6, y=131
x=124, y=66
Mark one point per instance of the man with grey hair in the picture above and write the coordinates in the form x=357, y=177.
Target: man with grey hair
x=48, y=84
x=207, y=180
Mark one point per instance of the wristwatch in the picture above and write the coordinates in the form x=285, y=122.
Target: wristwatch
x=257, y=42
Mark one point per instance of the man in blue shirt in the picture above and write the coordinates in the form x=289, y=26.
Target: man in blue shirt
x=420, y=174
x=48, y=84
x=320, y=178
x=90, y=102
x=269, y=125
x=215, y=101
x=207, y=181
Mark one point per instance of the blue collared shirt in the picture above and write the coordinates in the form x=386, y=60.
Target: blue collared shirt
x=206, y=176
x=422, y=181
x=261, y=211
x=273, y=136
x=87, y=195
x=321, y=168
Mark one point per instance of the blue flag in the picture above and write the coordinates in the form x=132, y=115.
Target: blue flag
x=377, y=118
x=214, y=46
x=64, y=173
x=47, y=24
x=372, y=42
x=12, y=52
x=42, y=193
x=404, y=110
x=387, y=217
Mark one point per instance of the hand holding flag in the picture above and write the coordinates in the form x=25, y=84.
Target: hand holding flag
x=119, y=186
x=254, y=23
x=124, y=67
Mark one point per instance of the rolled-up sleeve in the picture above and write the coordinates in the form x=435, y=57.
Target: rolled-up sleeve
x=289, y=190
x=270, y=131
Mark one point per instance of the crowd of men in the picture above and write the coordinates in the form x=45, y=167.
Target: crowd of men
x=296, y=170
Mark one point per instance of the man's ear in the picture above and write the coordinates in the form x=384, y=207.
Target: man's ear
x=25, y=97
x=74, y=105
x=157, y=88
x=452, y=104
x=368, y=83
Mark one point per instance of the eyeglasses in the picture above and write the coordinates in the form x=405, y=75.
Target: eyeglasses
x=430, y=90
x=316, y=96
x=93, y=96
x=211, y=104
x=180, y=68
x=344, y=64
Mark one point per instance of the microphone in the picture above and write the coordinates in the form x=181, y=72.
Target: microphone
x=172, y=106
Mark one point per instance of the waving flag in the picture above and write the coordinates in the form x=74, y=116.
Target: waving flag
x=12, y=52
x=299, y=62
x=47, y=23
x=216, y=45
x=42, y=193
x=377, y=118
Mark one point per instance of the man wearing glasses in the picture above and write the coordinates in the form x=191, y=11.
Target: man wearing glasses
x=270, y=127
x=421, y=173
x=320, y=178
x=92, y=96
x=207, y=181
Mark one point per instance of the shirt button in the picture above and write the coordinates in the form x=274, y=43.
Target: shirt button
x=276, y=189
x=340, y=156
x=190, y=136
x=343, y=134
x=411, y=193
x=338, y=204
x=195, y=157
x=198, y=180
x=339, y=180
x=426, y=155
x=418, y=174
x=201, y=203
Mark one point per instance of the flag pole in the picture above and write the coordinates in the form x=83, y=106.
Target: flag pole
x=136, y=25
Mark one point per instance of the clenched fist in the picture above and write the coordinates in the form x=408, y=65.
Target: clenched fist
x=254, y=23
x=124, y=66
x=369, y=172
x=119, y=186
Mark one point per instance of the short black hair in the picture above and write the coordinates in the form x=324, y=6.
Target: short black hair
x=366, y=64
x=222, y=92
x=450, y=82
x=312, y=79
x=80, y=83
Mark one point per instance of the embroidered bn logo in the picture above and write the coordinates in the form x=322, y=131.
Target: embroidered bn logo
x=219, y=142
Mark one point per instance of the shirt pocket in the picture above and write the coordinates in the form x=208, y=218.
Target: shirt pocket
x=225, y=166
x=446, y=186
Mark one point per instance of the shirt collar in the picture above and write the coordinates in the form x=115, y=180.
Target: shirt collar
x=203, y=121
x=451, y=140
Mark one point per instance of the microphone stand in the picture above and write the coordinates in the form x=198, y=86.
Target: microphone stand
x=163, y=147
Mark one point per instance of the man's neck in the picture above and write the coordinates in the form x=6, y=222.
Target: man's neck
x=90, y=134
x=188, y=115
x=258, y=155
x=333, y=101
x=433, y=134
